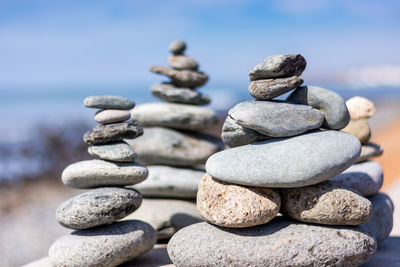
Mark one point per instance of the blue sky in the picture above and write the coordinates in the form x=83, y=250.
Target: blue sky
x=112, y=43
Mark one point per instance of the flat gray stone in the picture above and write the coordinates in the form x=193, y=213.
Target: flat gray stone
x=182, y=78
x=170, y=93
x=369, y=150
x=360, y=129
x=170, y=182
x=102, y=134
x=112, y=116
x=95, y=173
x=177, y=47
x=278, y=243
x=178, y=116
x=298, y=161
x=330, y=103
x=103, y=246
x=278, y=66
x=271, y=88
x=97, y=207
x=108, y=102
x=118, y=151
x=366, y=178
x=276, y=118
x=180, y=62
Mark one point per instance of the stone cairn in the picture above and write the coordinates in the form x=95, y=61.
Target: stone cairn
x=99, y=239
x=286, y=157
x=173, y=146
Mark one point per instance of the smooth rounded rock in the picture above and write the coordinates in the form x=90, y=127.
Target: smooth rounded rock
x=103, y=134
x=328, y=102
x=166, y=146
x=360, y=108
x=118, y=151
x=271, y=88
x=180, y=62
x=278, y=66
x=108, y=102
x=182, y=78
x=103, y=246
x=97, y=207
x=276, y=118
x=236, y=206
x=95, y=173
x=112, y=116
x=178, y=116
x=368, y=151
x=298, y=161
x=177, y=47
x=360, y=129
x=325, y=203
x=280, y=242
x=366, y=178
x=170, y=93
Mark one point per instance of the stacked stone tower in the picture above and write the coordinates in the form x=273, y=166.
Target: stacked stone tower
x=99, y=239
x=284, y=158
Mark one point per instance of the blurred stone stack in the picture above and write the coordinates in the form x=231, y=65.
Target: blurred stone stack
x=99, y=240
x=173, y=145
x=323, y=223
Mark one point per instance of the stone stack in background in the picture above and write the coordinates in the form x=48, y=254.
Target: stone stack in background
x=173, y=145
x=324, y=223
x=99, y=239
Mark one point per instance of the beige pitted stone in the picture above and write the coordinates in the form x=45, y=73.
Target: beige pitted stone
x=325, y=203
x=236, y=206
x=360, y=107
x=360, y=129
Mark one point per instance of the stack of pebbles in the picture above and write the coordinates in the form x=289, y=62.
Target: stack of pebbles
x=246, y=186
x=173, y=145
x=99, y=240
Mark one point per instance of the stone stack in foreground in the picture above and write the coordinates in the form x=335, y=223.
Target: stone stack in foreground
x=323, y=222
x=99, y=239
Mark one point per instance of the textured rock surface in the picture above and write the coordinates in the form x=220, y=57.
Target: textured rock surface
x=95, y=173
x=182, y=78
x=118, y=151
x=270, y=88
x=366, y=178
x=360, y=129
x=166, y=146
x=236, y=206
x=276, y=118
x=105, y=246
x=278, y=66
x=112, y=116
x=278, y=243
x=325, y=203
x=330, y=103
x=181, y=62
x=298, y=161
x=179, y=116
x=108, y=102
x=97, y=207
x=235, y=135
x=369, y=150
x=360, y=108
x=102, y=134
x=170, y=93
x=165, y=181
x=177, y=47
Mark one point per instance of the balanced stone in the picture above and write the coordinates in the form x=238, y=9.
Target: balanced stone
x=369, y=150
x=298, y=161
x=360, y=129
x=181, y=62
x=97, y=207
x=270, y=88
x=366, y=178
x=177, y=47
x=280, y=242
x=278, y=66
x=236, y=206
x=95, y=173
x=325, y=203
x=103, y=246
x=165, y=181
x=168, y=92
x=102, y=134
x=330, y=103
x=108, y=102
x=276, y=118
x=118, y=151
x=166, y=146
x=235, y=135
x=182, y=78
x=360, y=108
x=179, y=116
x=111, y=116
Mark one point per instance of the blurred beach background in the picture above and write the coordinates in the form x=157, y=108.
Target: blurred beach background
x=55, y=53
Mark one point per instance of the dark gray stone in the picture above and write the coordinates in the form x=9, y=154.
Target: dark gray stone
x=108, y=102
x=118, y=151
x=182, y=78
x=368, y=151
x=170, y=93
x=270, y=88
x=102, y=134
x=177, y=47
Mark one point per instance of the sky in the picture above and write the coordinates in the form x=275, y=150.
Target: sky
x=67, y=44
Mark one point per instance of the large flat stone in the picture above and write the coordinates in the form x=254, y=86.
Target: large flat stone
x=108, y=102
x=170, y=93
x=103, y=134
x=118, y=151
x=182, y=78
